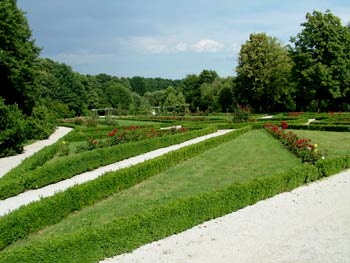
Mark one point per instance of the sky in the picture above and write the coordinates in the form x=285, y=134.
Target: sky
x=162, y=38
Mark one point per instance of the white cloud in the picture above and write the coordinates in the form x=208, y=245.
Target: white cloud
x=181, y=47
x=170, y=44
x=207, y=45
x=150, y=45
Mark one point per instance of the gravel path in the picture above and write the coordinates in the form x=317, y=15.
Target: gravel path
x=27, y=197
x=309, y=224
x=7, y=163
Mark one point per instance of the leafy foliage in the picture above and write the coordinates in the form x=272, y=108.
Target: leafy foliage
x=322, y=63
x=12, y=130
x=18, y=55
x=263, y=75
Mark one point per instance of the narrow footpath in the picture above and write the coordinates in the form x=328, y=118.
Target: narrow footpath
x=27, y=197
x=8, y=163
x=309, y=224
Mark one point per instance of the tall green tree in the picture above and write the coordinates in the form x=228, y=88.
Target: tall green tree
x=225, y=97
x=263, y=74
x=321, y=57
x=18, y=55
x=191, y=88
x=119, y=96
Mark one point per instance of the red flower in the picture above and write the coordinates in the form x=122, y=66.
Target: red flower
x=284, y=125
x=112, y=133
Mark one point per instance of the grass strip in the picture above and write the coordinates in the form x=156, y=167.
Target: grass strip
x=48, y=211
x=66, y=167
x=125, y=234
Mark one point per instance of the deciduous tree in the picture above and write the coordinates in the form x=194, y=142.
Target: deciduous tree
x=263, y=74
x=18, y=55
x=321, y=55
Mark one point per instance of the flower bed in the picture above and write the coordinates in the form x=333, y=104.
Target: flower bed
x=66, y=167
x=301, y=147
x=125, y=135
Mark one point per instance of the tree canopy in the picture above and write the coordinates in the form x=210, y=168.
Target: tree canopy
x=263, y=74
x=18, y=55
x=322, y=62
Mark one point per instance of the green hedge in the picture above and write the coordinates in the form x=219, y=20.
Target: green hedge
x=84, y=134
x=38, y=159
x=125, y=234
x=51, y=210
x=68, y=166
x=338, y=128
x=331, y=166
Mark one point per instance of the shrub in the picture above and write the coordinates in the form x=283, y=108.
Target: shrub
x=241, y=113
x=41, y=124
x=337, y=128
x=12, y=127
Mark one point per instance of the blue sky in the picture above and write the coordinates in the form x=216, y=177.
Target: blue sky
x=162, y=38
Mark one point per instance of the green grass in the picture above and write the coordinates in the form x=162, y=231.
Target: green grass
x=334, y=144
x=122, y=122
x=254, y=154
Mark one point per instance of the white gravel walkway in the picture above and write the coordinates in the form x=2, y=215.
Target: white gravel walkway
x=15, y=202
x=7, y=163
x=309, y=121
x=266, y=117
x=311, y=224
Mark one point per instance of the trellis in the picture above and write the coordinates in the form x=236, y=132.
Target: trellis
x=177, y=108
x=107, y=111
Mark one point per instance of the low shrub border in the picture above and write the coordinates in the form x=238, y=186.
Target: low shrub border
x=337, y=128
x=30, y=163
x=123, y=235
x=331, y=166
x=51, y=210
x=68, y=166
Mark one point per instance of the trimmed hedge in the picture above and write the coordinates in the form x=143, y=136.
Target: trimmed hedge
x=50, y=210
x=338, y=128
x=125, y=234
x=68, y=166
x=85, y=134
x=331, y=166
x=36, y=160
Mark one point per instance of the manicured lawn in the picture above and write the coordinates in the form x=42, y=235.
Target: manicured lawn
x=334, y=144
x=120, y=122
x=251, y=155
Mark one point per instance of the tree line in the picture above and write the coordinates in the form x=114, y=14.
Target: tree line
x=312, y=73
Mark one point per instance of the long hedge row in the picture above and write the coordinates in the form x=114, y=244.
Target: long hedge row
x=123, y=235
x=79, y=134
x=51, y=210
x=68, y=166
x=30, y=163
x=338, y=128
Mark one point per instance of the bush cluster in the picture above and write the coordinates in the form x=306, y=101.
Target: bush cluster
x=50, y=210
x=15, y=128
x=12, y=130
